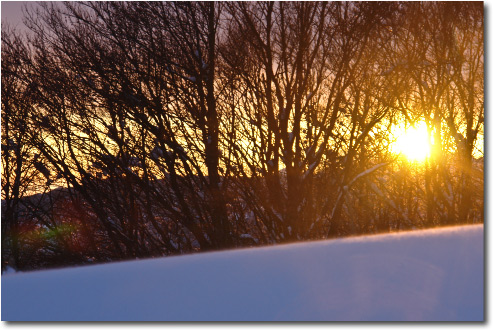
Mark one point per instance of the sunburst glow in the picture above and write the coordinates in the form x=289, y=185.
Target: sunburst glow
x=412, y=142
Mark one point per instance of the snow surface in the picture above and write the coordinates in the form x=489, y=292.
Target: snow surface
x=422, y=275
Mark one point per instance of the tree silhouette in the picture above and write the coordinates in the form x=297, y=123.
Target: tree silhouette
x=174, y=127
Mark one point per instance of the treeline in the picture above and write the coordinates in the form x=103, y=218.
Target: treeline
x=175, y=127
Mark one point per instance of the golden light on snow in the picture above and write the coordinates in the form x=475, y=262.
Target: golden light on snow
x=412, y=142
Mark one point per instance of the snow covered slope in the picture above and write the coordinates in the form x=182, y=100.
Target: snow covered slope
x=425, y=275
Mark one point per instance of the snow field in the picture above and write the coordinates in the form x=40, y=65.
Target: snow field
x=431, y=275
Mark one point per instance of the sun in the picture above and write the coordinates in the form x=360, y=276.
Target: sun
x=412, y=142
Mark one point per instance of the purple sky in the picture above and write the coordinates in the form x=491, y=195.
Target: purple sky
x=12, y=12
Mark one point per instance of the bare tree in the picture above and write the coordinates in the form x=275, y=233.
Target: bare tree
x=182, y=126
x=19, y=177
x=129, y=117
x=300, y=103
x=440, y=47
